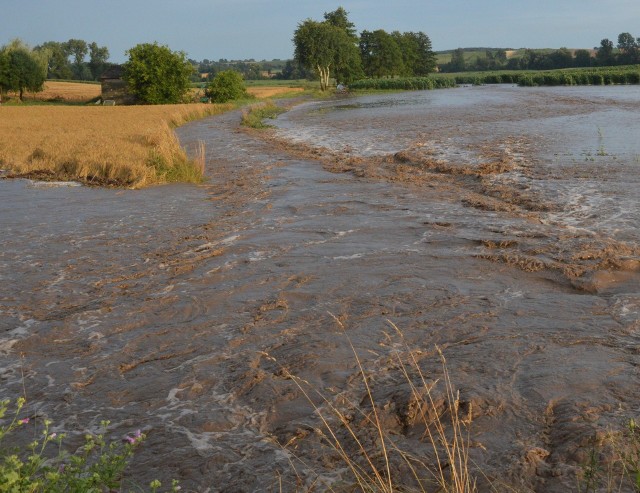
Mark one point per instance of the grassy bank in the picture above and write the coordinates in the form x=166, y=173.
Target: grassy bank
x=565, y=77
x=126, y=146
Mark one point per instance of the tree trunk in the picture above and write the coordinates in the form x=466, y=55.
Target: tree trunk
x=21, y=94
x=321, y=74
x=324, y=77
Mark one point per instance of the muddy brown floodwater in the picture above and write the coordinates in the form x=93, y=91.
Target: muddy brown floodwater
x=499, y=223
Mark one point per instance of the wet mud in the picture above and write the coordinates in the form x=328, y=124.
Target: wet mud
x=497, y=224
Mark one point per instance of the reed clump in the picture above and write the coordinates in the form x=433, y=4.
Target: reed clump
x=123, y=146
x=371, y=455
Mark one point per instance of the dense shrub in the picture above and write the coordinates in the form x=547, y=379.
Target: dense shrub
x=227, y=86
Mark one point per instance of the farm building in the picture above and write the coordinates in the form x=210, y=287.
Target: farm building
x=114, y=88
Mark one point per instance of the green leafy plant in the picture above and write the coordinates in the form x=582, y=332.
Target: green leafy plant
x=36, y=468
x=614, y=462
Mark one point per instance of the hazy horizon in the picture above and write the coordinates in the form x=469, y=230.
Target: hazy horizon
x=262, y=30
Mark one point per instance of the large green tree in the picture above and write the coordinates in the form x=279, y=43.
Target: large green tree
x=340, y=18
x=58, y=54
x=98, y=56
x=78, y=48
x=380, y=53
x=629, y=49
x=425, y=58
x=324, y=48
x=604, y=55
x=157, y=75
x=349, y=66
x=21, y=68
x=417, y=55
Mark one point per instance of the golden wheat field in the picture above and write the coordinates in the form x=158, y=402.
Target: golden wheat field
x=66, y=91
x=271, y=91
x=129, y=146
x=81, y=92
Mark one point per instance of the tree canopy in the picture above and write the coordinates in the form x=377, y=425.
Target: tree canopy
x=323, y=47
x=333, y=48
x=21, y=69
x=381, y=54
x=157, y=75
x=340, y=18
x=68, y=59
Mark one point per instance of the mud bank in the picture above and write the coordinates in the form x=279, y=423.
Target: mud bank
x=185, y=310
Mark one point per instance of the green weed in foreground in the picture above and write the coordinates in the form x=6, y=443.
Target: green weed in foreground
x=614, y=462
x=95, y=467
x=255, y=115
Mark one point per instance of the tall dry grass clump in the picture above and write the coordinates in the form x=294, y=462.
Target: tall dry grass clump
x=372, y=454
x=128, y=146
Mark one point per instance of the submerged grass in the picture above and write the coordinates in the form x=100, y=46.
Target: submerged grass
x=125, y=146
x=254, y=115
x=380, y=464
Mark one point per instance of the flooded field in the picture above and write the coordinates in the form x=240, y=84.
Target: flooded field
x=499, y=223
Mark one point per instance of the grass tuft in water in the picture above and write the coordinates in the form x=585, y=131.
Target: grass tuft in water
x=254, y=116
x=374, y=464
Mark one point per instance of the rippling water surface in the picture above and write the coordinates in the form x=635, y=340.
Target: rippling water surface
x=499, y=223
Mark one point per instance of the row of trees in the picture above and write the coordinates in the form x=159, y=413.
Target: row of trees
x=153, y=73
x=23, y=68
x=249, y=69
x=528, y=60
x=332, y=48
x=626, y=52
x=74, y=59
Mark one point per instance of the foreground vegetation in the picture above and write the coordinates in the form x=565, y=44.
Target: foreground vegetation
x=435, y=411
x=94, y=467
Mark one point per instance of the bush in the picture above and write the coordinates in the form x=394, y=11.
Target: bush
x=157, y=75
x=227, y=86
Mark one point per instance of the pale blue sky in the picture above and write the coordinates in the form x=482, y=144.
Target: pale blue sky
x=262, y=29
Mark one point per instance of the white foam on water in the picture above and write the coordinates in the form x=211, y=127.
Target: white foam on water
x=349, y=257
x=53, y=184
